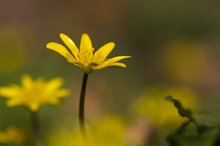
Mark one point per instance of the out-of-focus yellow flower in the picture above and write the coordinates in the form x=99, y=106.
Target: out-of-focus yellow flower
x=34, y=93
x=188, y=61
x=154, y=106
x=108, y=131
x=12, y=136
x=85, y=58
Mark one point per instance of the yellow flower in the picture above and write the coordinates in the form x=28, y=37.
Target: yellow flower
x=159, y=111
x=34, y=93
x=108, y=131
x=12, y=136
x=85, y=58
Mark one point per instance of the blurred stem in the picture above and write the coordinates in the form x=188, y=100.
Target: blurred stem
x=36, y=128
x=82, y=103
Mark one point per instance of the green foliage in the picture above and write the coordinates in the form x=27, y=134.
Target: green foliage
x=216, y=141
x=181, y=134
x=183, y=112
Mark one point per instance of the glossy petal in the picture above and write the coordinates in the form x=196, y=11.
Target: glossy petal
x=70, y=44
x=111, y=61
x=101, y=54
x=86, y=44
x=61, y=50
x=119, y=64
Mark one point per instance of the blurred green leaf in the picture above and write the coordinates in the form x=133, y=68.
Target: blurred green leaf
x=183, y=112
x=216, y=141
x=178, y=136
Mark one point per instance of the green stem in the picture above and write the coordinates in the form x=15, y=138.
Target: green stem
x=82, y=103
x=36, y=128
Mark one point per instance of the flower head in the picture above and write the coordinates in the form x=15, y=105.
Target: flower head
x=152, y=105
x=12, y=136
x=108, y=131
x=34, y=93
x=85, y=57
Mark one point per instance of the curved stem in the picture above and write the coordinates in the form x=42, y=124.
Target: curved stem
x=82, y=103
x=36, y=128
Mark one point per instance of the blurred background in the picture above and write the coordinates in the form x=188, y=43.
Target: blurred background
x=174, y=44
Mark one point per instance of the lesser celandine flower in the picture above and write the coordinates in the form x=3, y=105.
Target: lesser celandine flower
x=34, y=93
x=12, y=136
x=154, y=107
x=85, y=57
x=108, y=131
x=87, y=60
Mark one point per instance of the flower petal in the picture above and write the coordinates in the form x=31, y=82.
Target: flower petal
x=70, y=44
x=13, y=102
x=85, y=44
x=103, y=52
x=26, y=81
x=53, y=84
x=62, y=93
x=119, y=64
x=9, y=92
x=61, y=50
x=111, y=62
x=33, y=106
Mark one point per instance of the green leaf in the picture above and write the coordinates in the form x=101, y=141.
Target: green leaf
x=183, y=112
